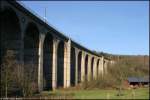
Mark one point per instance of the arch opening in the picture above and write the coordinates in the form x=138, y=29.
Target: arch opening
x=79, y=66
x=10, y=37
x=73, y=67
x=31, y=49
x=60, y=64
x=10, y=33
x=97, y=69
x=86, y=67
x=47, y=62
x=92, y=64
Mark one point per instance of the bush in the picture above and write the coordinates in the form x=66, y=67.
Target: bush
x=118, y=73
x=15, y=79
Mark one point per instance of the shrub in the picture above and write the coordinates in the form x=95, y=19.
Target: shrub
x=15, y=79
x=118, y=73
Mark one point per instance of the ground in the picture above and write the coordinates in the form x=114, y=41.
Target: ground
x=140, y=93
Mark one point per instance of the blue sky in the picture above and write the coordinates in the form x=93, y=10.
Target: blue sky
x=117, y=27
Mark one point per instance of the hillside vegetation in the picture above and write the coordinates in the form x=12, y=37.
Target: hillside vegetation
x=125, y=66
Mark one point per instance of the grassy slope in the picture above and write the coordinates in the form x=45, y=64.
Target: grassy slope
x=112, y=94
x=140, y=93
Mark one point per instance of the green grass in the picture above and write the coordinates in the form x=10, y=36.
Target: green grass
x=112, y=94
x=140, y=93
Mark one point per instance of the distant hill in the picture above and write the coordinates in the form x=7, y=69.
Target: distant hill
x=131, y=65
x=142, y=59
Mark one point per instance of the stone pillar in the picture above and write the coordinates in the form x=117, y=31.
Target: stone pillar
x=83, y=67
x=65, y=65
x=40, y=64
x=76, y=67
x=54, y=68
x=95, y=68
x=89, y=67
x=101, y=66
x=67, y=61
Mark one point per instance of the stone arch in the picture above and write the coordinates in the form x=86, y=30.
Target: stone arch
x=31, y=50
x=92, y=67
x=86, y=68
x=104, y=64
x=60, y=64
x=47, y=62
x=73, y=67
x=97, y=68
x=10, y=35
x=79, y=66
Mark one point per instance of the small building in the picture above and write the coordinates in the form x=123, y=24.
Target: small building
x=134, y=82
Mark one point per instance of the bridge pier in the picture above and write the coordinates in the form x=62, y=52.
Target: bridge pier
x=83, y=67
x=40, y=64
x=101, y=68
x=95, y=69
x=54, y=63
x=76, y=67
x=67, y=61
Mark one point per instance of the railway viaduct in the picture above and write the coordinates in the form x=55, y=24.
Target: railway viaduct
x=57, y=60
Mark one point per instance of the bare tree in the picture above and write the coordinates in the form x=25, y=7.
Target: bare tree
x=16, y=79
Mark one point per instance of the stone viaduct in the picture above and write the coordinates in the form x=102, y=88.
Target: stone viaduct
x=57, y=60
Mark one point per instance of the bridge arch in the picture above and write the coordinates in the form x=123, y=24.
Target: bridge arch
x=31, y=49
x=10, y=32
x=79, y=66
x=97, y=68
x=73, y=67
x=47, y=62
x=86, y=68
x=60, y=64
x=92, y=66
